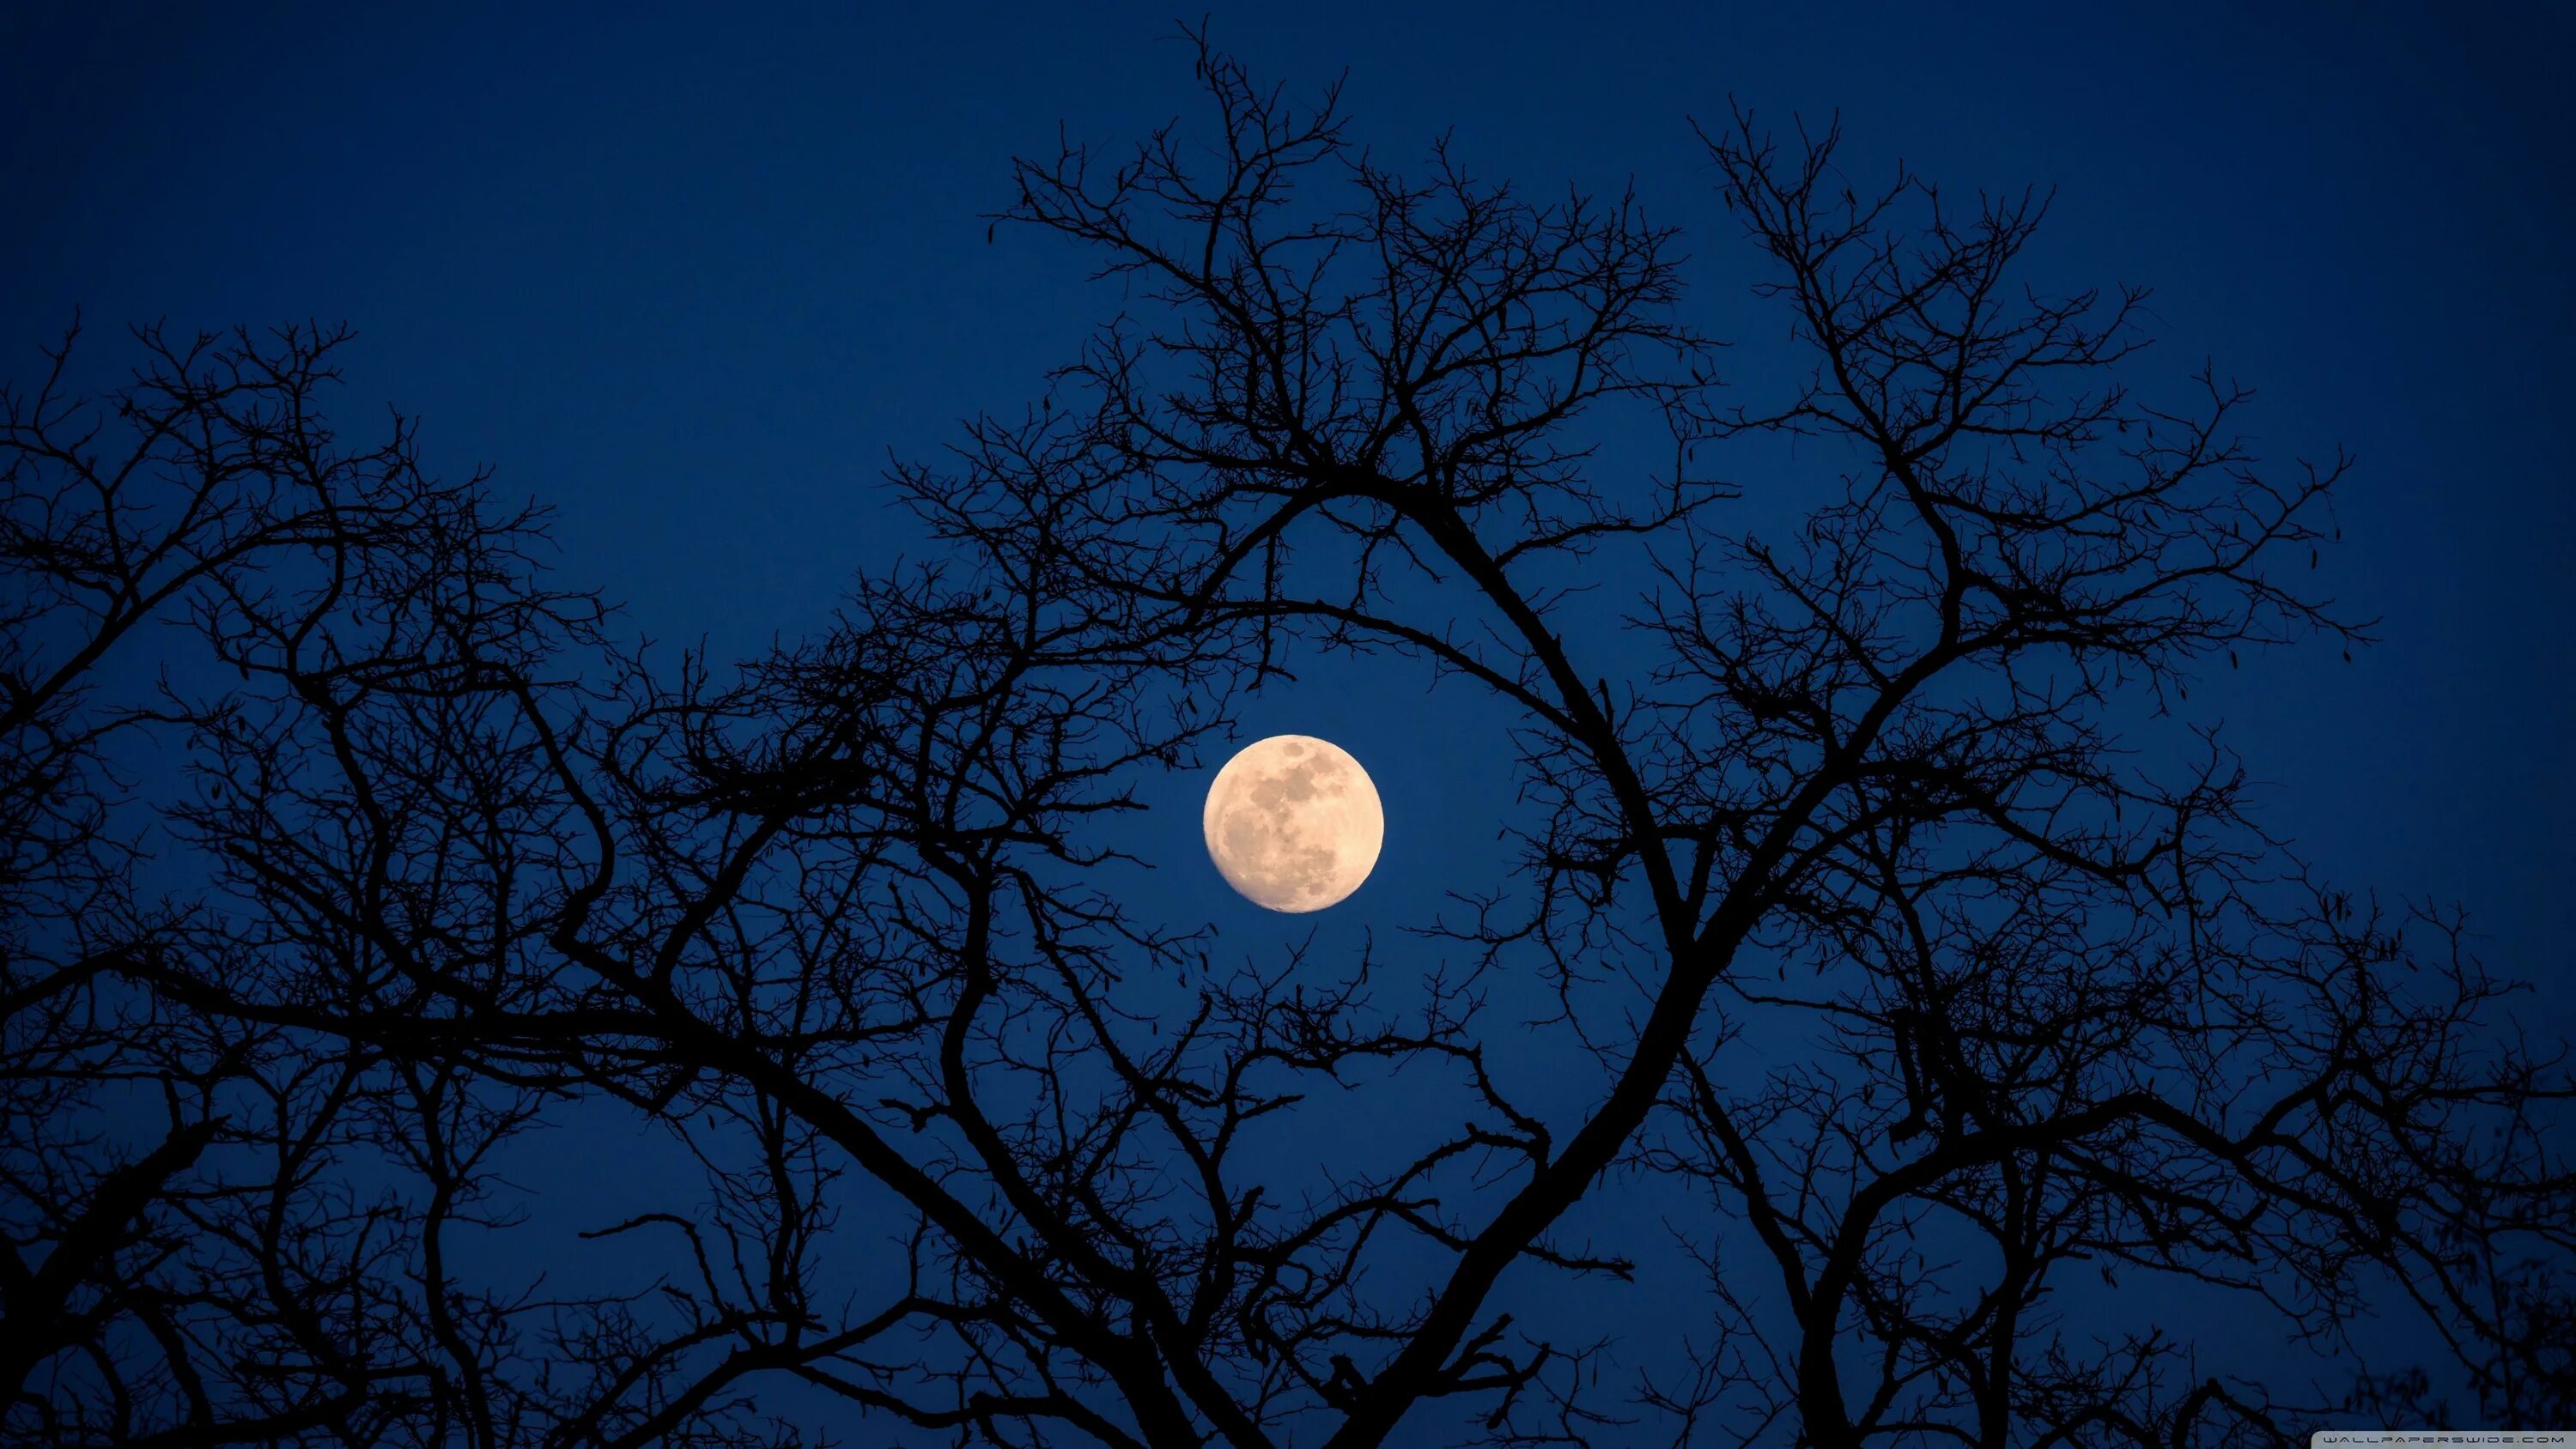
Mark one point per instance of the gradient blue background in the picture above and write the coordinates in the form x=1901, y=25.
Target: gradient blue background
x=693, y=278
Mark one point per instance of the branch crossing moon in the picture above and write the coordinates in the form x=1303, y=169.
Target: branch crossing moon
x=1293, y=823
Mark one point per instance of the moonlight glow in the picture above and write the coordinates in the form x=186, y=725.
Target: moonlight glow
x=1293, y=823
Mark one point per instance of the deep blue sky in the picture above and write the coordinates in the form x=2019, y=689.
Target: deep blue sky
x=692, y=279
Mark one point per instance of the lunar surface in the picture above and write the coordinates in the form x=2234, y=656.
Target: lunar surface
x=1293, y=823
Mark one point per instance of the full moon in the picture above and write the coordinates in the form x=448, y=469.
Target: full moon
x=1293, y=823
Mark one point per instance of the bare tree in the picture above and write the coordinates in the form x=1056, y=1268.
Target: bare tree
x=186, y=1260
x=986, y=1159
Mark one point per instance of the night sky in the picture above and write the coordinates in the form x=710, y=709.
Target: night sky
x=695, y=282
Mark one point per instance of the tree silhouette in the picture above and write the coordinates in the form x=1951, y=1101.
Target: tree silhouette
x=405, y=863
